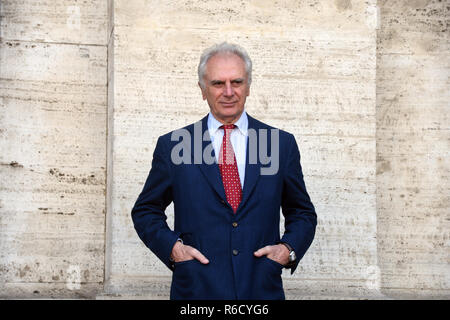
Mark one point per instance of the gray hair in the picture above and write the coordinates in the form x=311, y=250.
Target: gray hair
x=224, y=48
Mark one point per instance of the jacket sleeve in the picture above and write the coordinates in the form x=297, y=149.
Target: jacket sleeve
x=148, y=214
x=297, y=208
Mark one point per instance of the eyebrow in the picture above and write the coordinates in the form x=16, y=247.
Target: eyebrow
x=238, y=80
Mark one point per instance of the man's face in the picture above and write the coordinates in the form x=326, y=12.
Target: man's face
x=226, y=87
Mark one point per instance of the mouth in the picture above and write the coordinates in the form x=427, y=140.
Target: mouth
x=228, y=104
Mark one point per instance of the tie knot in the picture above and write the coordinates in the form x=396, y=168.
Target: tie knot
x=228, y=126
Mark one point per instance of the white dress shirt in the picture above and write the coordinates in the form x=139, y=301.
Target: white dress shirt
x=238, y=140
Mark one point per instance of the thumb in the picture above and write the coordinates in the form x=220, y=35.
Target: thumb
x=199, y=256
x=262, y=252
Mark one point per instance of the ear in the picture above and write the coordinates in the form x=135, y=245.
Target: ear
x=203, y=91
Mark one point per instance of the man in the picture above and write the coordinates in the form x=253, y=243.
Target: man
x=226, y=239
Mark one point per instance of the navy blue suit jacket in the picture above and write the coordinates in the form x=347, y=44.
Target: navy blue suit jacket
x=204, y=220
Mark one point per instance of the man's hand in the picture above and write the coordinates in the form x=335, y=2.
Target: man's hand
x=278, y=253
x=181, y=252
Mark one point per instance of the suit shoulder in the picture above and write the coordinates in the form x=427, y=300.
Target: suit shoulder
x=282, y=133
x=167, y=137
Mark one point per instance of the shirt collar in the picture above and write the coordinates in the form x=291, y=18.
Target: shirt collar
x=241, y=124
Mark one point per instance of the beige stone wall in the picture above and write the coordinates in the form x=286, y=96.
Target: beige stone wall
x=52, y=142
x=87, y=88
x=413, y=107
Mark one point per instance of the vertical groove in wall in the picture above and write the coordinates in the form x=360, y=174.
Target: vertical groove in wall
x=109, y=141
x=375, y=278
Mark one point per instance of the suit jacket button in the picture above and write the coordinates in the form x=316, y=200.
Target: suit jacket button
x=235, y=252
x=234, y=224
x=223, y=201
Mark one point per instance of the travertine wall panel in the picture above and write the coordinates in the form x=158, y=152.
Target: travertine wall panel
x=318, y=83
x=413, y=72
x=52, y=141
x=63, y=21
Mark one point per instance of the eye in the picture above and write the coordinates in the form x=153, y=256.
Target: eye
x=217, y=84
x=237, y=82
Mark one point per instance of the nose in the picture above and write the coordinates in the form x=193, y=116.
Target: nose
x=228, y=90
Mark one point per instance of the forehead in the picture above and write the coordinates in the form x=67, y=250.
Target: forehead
x=226, y=65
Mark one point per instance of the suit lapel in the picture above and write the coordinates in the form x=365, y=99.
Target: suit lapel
x=210, y=171
x=252, y=171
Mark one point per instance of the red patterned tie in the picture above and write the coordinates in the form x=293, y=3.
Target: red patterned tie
x=228, y=169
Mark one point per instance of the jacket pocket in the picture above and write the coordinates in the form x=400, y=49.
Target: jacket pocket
x=180, y=263
x=274, y=263
x=268, y=284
